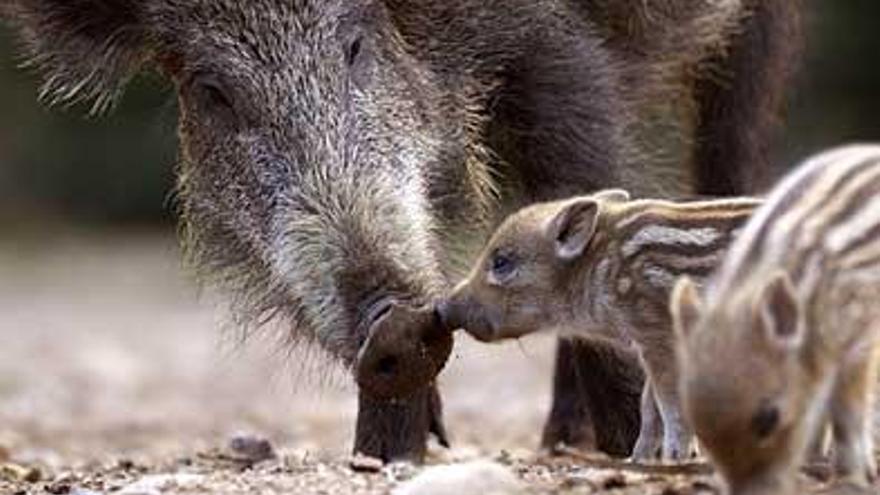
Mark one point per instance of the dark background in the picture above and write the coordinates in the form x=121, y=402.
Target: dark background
x=61, y=167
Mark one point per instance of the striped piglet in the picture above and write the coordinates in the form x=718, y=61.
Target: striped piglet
x=601, y=266
x=786, y=332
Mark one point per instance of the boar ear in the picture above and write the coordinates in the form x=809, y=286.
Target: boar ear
x=86, y=49
x=779, y=312
x=573, y=227
x=686, y=308
x=612, y=195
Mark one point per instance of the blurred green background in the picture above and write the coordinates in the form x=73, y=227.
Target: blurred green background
x=61, y=167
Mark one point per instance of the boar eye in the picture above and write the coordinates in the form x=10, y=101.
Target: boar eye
x=502, y=267
x=358, y=60
x=213, y=93
x=354, y=49
x=765, y=421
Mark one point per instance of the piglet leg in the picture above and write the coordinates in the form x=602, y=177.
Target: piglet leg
x=651, y=432
x=851, y=420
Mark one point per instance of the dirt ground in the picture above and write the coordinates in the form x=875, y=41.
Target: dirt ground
x=116, y=375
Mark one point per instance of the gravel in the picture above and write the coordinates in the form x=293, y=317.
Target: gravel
x=116, y=378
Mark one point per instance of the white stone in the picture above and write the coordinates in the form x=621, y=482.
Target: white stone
x=482, y=477
x=158, y=483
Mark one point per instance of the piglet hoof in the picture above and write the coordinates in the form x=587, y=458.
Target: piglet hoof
x=679, y=448
x=677, y=454
x=645, y=451
x=650, y=440
x=398, y=429
x=871, y=471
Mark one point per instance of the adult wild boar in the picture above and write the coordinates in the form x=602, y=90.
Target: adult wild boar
x=334, y=153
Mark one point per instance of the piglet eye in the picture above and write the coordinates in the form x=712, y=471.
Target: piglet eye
x=765, y=421
x=502, y=266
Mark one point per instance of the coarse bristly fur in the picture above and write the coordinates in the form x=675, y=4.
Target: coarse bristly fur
x=320, y=134
x=601, y=266
x=786, y=333
x=333, y=150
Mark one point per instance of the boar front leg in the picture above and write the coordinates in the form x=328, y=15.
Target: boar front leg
x=596, y=392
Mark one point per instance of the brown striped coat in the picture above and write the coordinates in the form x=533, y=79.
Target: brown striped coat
x=786, y=333
x=601, y=266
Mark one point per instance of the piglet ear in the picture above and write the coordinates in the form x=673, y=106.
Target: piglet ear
x=686, y=308
x=86, y=49
x=779, y=313
x=573, y=227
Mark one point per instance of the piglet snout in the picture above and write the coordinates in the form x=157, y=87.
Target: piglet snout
x=461, y=314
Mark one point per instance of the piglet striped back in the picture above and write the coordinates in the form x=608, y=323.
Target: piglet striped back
x=823, y=220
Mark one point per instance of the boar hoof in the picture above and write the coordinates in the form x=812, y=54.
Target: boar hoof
x=569, y=428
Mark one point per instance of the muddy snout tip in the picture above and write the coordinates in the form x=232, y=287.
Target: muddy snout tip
x=442, y=316
x=405, y=350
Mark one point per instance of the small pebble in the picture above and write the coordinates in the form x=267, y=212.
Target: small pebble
x=251, y=449
x=59, y=488
x=574, y=480
x=400, y=471
x=366, y=464
x=33, y=475
x=613, y=481
x=11, y=472
x=15, y=472
x=701, y=486
x=504, y=458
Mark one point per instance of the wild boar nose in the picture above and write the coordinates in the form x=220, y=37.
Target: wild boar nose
x=403, y=353
x=441, y=312
x=448, y=315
